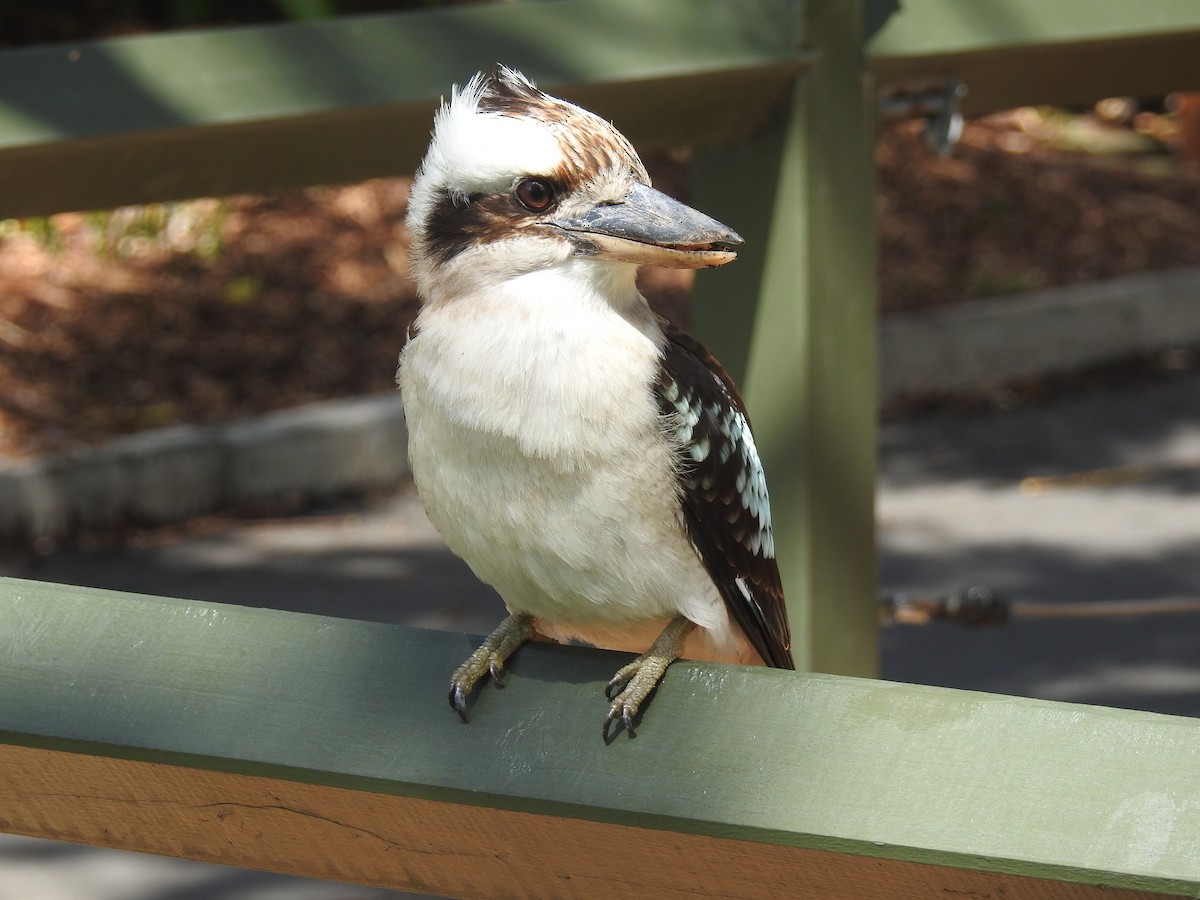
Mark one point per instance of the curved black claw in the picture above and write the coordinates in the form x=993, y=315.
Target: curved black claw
x=618, y=681
x=623, y=715
x=458, y=702
x=496, y=670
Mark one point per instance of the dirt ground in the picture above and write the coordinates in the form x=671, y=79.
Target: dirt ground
x=220, y=309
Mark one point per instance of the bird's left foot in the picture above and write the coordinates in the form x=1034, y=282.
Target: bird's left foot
x=489, y=658
x=635, y=682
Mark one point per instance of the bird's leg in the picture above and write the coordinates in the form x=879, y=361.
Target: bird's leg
x=490, y=657
x=636, y=680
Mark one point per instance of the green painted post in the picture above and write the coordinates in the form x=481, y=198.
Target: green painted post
x=794, y=319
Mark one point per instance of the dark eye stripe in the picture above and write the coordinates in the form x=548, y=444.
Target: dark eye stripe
x=452, y=227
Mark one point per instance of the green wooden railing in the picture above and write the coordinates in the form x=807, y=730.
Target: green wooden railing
x=325, y=747
x=307, y=745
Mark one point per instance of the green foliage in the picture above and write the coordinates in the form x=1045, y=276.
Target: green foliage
x=23, y=22
x=199, y=12
x=983, y=283
x=192, y=227
x=243, y=290
x=307, y=9
x=41, y=229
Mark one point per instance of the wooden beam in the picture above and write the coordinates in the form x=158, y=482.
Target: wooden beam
x=1024, y=52
x=148, y=118
x=325, y=747
x=163, y=117
x=794, y=320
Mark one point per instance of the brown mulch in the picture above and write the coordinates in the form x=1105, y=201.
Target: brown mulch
x=305, y=298
x=218, y=310
x=1008, y=212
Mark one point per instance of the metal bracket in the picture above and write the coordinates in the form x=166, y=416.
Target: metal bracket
x=939, y=100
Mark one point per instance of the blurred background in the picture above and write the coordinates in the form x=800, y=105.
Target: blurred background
x=1069, y=491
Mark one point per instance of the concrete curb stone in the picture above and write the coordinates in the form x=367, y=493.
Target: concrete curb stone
x=1067, y=329
x=169, y=474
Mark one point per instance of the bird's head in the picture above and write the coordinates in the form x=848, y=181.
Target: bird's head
x=516, y=180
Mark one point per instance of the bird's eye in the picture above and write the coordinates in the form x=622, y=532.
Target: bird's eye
x=535, y=194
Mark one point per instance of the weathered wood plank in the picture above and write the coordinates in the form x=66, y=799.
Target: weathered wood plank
x=223, y=111
x=325, y=747
x=1021, y=52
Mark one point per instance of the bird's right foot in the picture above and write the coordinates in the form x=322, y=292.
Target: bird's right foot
x=489, y=658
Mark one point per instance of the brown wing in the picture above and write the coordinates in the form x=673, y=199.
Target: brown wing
x=724, y=493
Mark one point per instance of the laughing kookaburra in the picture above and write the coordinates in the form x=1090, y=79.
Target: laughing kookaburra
x=588, y=460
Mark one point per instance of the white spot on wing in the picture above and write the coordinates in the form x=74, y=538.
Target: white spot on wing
x=741, y=585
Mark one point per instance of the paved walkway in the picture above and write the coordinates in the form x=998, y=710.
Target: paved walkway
x=955, y=508
x=952, y=511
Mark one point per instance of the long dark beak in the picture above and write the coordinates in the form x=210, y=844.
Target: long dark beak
x=649, y=228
